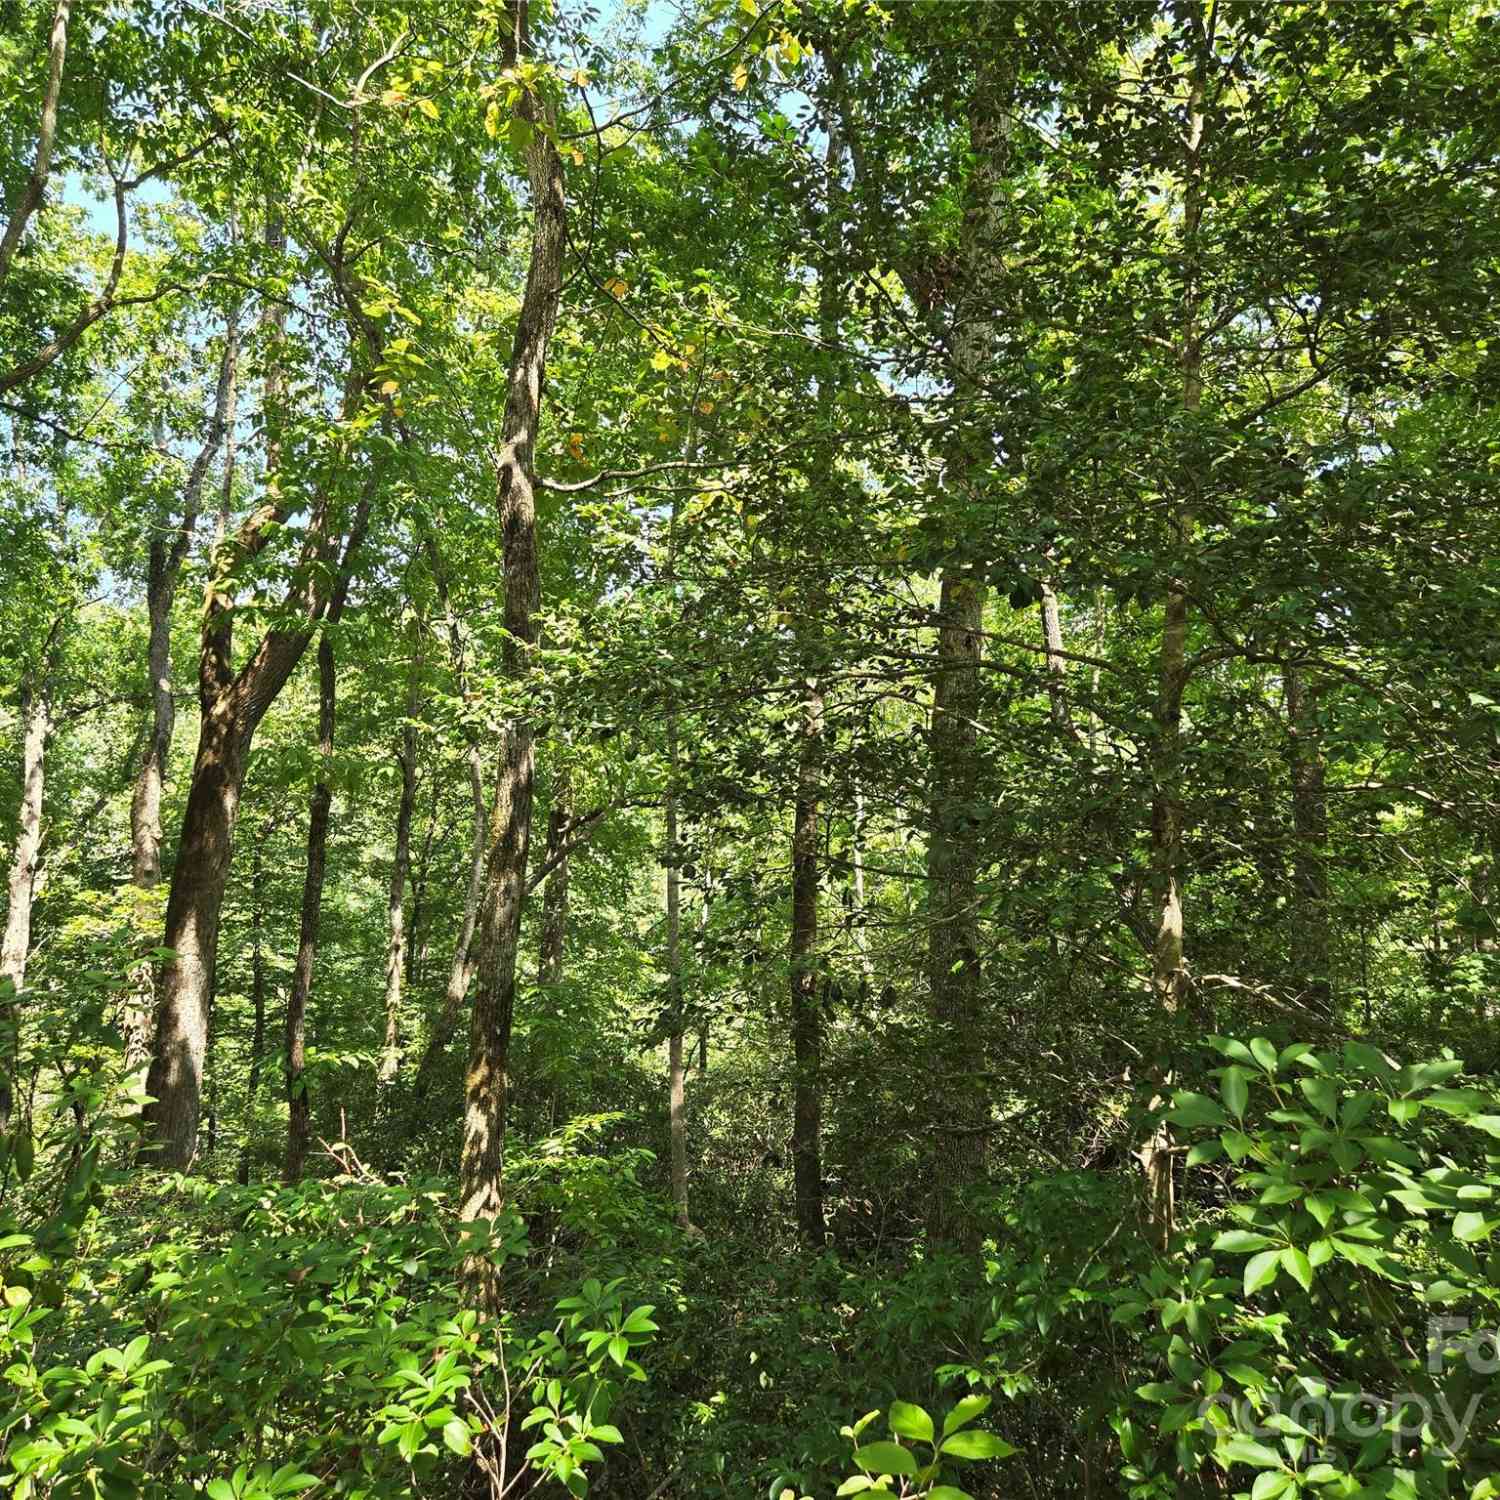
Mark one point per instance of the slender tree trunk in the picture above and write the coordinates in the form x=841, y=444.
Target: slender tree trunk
x=299, y=1103
x=1169, y=975
x=676, y=1069
x=231, y=708
x=257, y=988
x=465, y=951
x=164, y=568
x=15, y=948
x=163, y=571
x=960, y=1103
x=807, y=1020
x=857, y=880
x=549, y=969
x=175, y=1079
x=1311, y=971
x=481, y=1168
x=417, y=937
x=395, y=954
x=1057, y=665
x=957, y=1158
x=41, y=166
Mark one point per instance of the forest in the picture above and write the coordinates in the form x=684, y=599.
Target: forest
x=750, y=748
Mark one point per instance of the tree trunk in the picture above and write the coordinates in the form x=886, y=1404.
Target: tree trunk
x=959, y=1103
x=676, y=1070
x=1056, y=662
x=481, y=1169
x=163, y=571
x=395, y=953
x=299, y=1104
x=15, y=949
x=231, y=708
x=257, y=988
x=807, y=1020
x=41, y=165
x=164, y=568
x=175, y=1079
x=1169, y=976
x=417, y=936
x=549, y=968
x=465, y=953
x=1311, y=971
x=956, y=1160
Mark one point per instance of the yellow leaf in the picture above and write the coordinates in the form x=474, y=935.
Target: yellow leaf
x=428, y=108
x=615, y=287
x=492, y=120
x=577, y=156
x=750, y=7
x=740, y=78
x=661, y=360
x=389, y=387
x=705, y=407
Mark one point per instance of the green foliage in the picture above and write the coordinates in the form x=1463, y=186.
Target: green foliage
x=340, y=1309
x=1315, y=1342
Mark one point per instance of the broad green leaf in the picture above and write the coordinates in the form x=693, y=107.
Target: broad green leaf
x=885, y=1458
x=1261, y=1270
x=976, y=1444
x=910, y=1421
x=965, y=1411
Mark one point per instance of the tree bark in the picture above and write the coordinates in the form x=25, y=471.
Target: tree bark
x=1057, y=664
x=299, y=1103
x=481, y=1168
x=15, y=948
x=41, y=166
x=465, y=954
x=549, y=968
x=164, y=568
x=257, y=987
x=395, y=953
x=1309, y=947
x=676, y=1069
x=807, y=1019
x=956, y=1160
x=1169, y=975
x=231, y=706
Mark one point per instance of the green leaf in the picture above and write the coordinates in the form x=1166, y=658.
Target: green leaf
x=1243, y=1450
x=1158, y=1391
x=910, y=1421
x=1261, y=1270
x=965, y=1412
x=1296, y=1261
x=948, y=1492
x=1269, y=1483
x=1470, y=1226
x=1242, y=1241
x=885, y=1458
x=456, y=1436
x=1234, y=1088
x=1264, y=1053
x=1367, y=1060
x=976, y=1444
x=1195, y=1110
x=1322, y=1094
x=1228, y=1047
